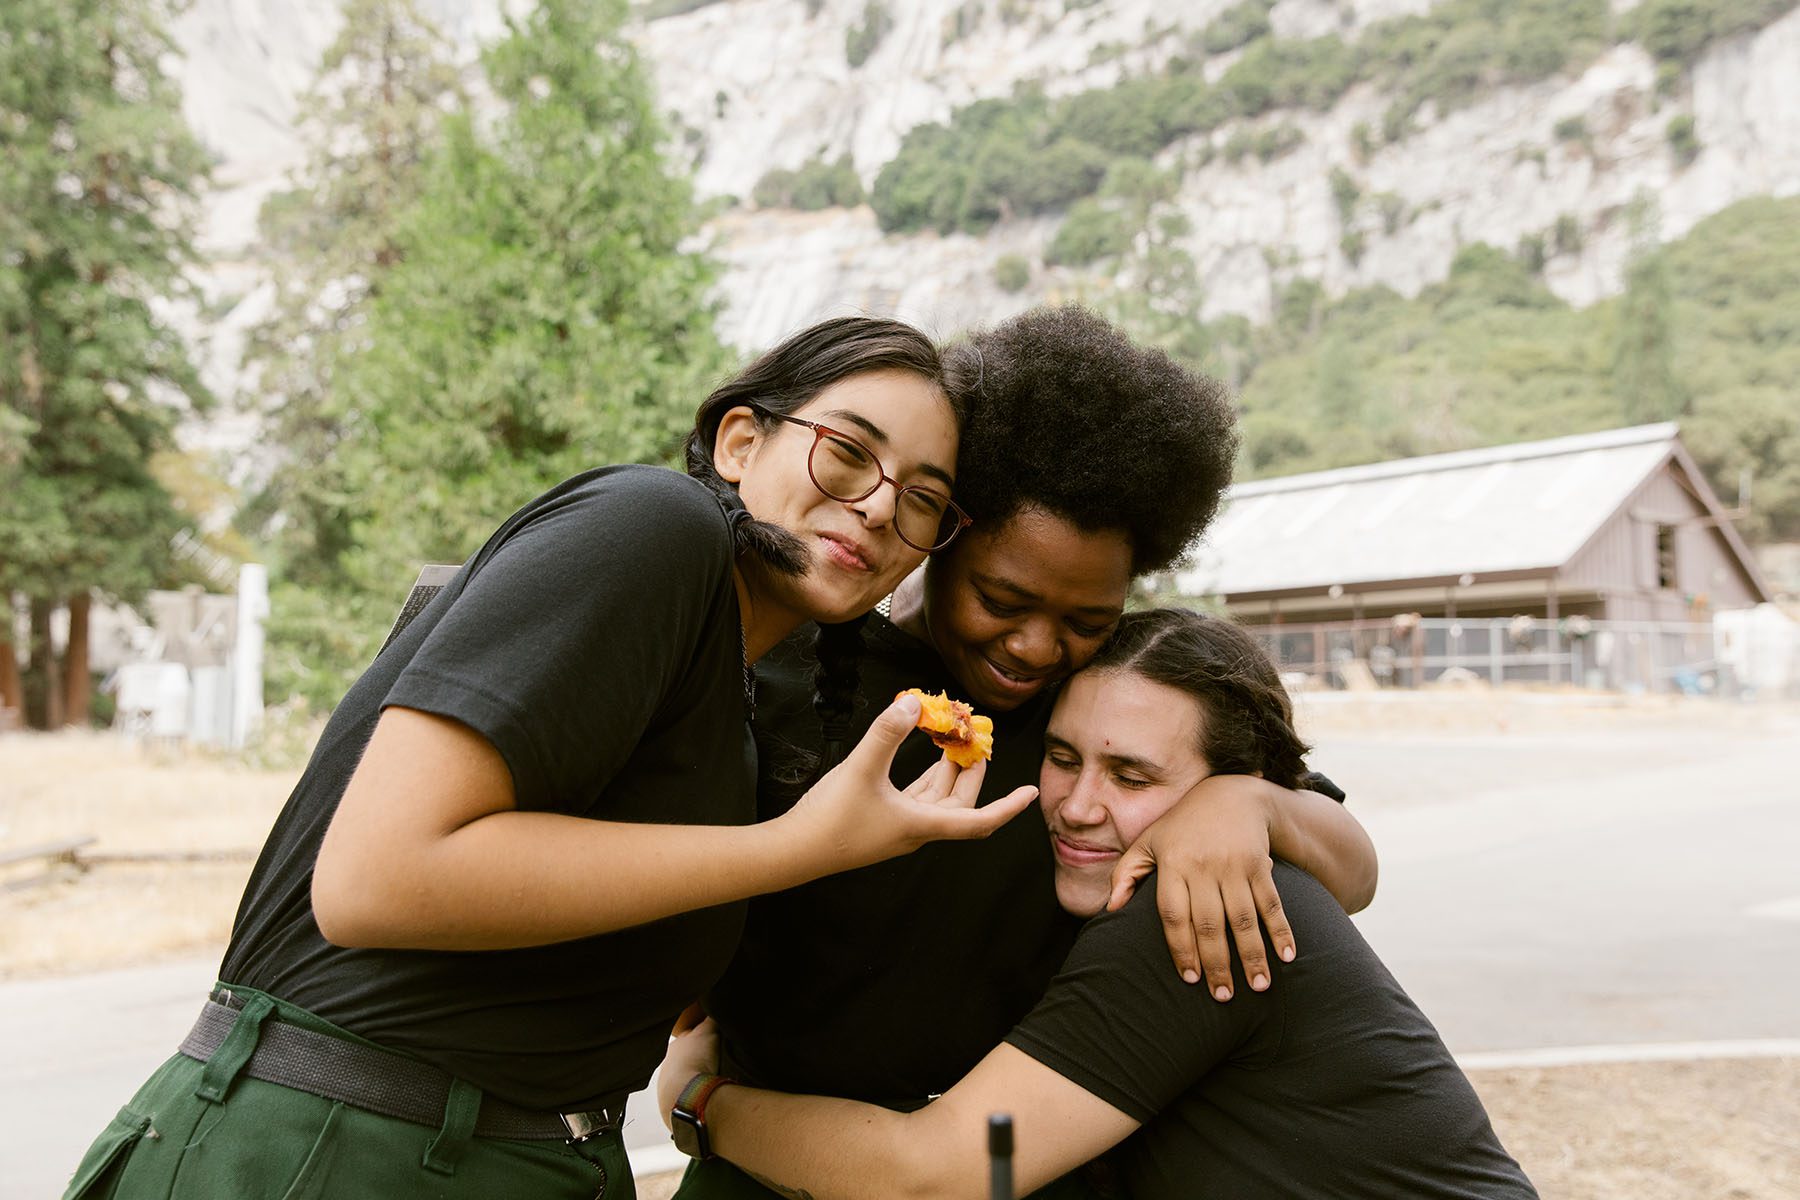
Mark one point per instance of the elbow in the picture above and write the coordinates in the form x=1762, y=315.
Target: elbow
x=346, y=913
x=1363, y=893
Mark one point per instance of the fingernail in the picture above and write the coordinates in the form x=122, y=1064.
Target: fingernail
x=1260, y=983
x=1191, y=976
x=1287, y=954
x=1221, y=993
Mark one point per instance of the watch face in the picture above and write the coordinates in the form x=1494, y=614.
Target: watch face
x=689, y=1135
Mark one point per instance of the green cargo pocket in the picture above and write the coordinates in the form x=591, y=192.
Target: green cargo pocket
x=97, y=1178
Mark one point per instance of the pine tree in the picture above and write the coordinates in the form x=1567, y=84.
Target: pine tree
x=369, y=120
x=1643, y=369
x=98, y=175
x=544, y=316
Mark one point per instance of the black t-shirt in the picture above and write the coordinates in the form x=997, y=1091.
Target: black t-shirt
x=889, y=982
x=594, y=640
x=1331, y=1084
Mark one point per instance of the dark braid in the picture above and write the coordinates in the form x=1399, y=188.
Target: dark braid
x=774, y=546
x=1247, y=721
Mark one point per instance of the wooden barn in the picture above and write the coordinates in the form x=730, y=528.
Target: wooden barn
x=1611, y=526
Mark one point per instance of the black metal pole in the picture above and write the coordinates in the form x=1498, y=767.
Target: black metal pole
x=1000, y=1152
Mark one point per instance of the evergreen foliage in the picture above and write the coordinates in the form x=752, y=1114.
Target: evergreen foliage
x=1707, y=331
x=1012, y=272
x=331, y=241
x=1678, y=31
x=813, y=186
x=1091, y=231
x=542, y=318
x=98, y=176
x=1238, y=25
x=865, y=37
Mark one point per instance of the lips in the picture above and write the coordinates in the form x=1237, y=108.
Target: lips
x=848, y=553
x=1012, y=682
x=1076, y=853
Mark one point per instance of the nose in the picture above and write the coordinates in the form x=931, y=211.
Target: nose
x=877, y=508
x=1033, y=644
x=1085, y=805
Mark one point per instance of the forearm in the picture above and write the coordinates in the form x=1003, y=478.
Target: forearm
x=1321, y=837
x=512, y=879
x=821, y=1148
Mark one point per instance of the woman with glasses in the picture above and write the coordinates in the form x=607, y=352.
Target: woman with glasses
x=1086, y=462
x=525, y=837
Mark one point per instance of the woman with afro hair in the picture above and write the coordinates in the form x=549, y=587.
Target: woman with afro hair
x=1086, y=462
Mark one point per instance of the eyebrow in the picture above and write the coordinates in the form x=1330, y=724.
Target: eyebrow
x=876, y=432
x=1025, y=593
x=1130, y=761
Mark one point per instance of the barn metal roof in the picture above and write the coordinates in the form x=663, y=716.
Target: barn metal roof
x=1529, y=506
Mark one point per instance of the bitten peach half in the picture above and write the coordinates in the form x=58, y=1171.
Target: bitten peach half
x=964, y=737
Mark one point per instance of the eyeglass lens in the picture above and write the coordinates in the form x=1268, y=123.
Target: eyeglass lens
x=844, y=469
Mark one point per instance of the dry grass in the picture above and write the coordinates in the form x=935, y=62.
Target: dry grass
x=131, y=799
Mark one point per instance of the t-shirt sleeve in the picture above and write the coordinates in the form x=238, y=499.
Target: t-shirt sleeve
x=574, y=628
x=1313, y=781
x=1119, y=1022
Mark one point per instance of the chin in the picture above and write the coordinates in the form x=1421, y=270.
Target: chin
x=1082, y=897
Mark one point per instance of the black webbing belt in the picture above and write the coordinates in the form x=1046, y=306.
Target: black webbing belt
x=389, y=1084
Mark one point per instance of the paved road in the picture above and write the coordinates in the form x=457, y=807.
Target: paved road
x=1536, y=891
x=1585, y=890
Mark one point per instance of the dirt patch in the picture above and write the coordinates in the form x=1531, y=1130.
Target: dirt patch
x=1724, y=1129
x=131, y=799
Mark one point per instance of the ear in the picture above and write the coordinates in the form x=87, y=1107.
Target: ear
x=735, y=442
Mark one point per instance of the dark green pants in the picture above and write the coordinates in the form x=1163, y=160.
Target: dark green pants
x=716, y=1179
x=204, y=1131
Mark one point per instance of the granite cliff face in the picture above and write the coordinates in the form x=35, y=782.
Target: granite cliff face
x=755, y=84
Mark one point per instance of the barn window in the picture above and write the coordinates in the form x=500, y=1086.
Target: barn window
x=1665, y=556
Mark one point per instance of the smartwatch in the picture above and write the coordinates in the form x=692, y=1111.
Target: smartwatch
x=687, y=1122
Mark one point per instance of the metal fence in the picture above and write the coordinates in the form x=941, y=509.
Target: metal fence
x=1629, y=656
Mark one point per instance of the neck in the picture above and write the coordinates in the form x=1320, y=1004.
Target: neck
x=907, y=609
x=765, y=623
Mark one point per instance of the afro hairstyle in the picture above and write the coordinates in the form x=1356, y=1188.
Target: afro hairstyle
x=1068, y=415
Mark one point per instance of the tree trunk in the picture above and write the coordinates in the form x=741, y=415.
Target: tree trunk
x=43, y=682
x=77, y=682
x=12, y=696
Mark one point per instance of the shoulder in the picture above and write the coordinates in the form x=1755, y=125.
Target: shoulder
x=610, y=510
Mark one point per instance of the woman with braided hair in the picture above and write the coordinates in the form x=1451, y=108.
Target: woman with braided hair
x=1332, y=1083
x=525, y=837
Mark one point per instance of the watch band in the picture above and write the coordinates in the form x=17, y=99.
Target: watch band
x=688, y=1119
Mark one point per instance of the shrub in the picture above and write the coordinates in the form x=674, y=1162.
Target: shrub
x=1571, y=129
x=1393, y=212
x=1012, y=272
x=863, y=38
x=1237, y=26
x=1352, y=244
x=1682, y=139
x=1345, y=192
x=1531, y=253
x=1566, y=236
x=1090, y=231
x=816, y=185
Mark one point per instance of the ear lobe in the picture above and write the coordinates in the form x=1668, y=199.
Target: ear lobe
x=734, y=443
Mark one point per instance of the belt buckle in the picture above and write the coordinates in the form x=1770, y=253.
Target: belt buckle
x=585, y=1125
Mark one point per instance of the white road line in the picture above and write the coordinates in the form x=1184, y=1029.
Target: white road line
x=1777, y=910
x=1573, y=1056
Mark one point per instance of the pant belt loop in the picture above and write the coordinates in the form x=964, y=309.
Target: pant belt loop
x=460, y=1113
x=228, y=1060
